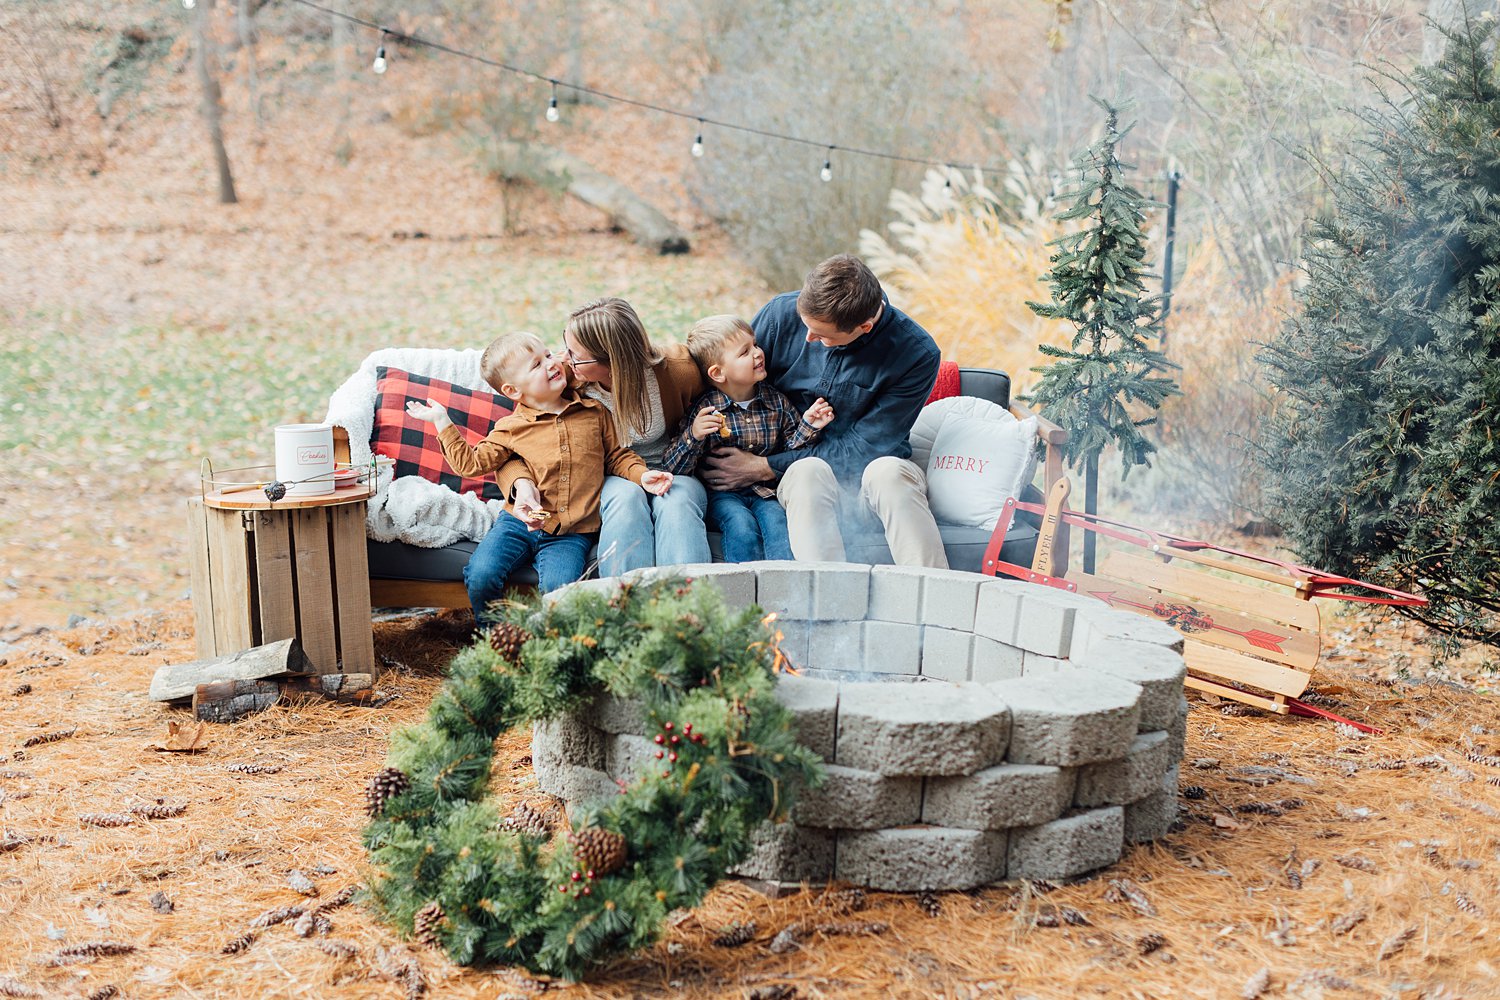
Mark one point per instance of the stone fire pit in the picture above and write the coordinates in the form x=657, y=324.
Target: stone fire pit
x=974, y=729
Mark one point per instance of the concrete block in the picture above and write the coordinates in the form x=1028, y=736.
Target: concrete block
x=999, y=797
x=570, y=739
x=786, y=852
x=1128, y=780
x=794, y=639
x=921, y=730
x=1101, y=623
x=1036, y=663
x=618, y=715
x=1045, y=624
x=735, y=581
x=945, y=653
x=851, y=799
x=995, y=661
x=630, y=757
x=997, y=609
x=784, y=587
x=1158, y=670
x=1070, y=717
x=896, y=594
x=892, y=648
x=814, y=706
x=836, y=646
x=579, y=786
x=840, y=591
x=604, y=587
x=922, y=857
x=949, y=597
x=1151, y=818
x=1068, y=846
x=1177, y=730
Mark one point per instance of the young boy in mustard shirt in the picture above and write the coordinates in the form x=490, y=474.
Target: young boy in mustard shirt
x=568, y=444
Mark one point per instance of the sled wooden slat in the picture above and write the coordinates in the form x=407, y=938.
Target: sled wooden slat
x=1234, y=694
x=1212, y=661
x=1149, y=571
x=1207, y=622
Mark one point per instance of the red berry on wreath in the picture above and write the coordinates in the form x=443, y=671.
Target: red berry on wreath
x=676, y=740
x=660, y=738
x=672, y=757
x=667, y=726
x=659, y=754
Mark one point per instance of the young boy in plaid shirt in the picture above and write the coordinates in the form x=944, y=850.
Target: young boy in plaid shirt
x=568, y=443
x=741, y=410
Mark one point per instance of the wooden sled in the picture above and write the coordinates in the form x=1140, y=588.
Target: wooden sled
x=1250, y=643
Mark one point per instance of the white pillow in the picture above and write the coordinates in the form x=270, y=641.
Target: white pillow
x=931, y=418
x=976, y=464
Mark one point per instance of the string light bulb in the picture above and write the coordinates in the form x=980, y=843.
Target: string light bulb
x=379, y=64
x=698, y=142
x=827, y=172
x=552, y=113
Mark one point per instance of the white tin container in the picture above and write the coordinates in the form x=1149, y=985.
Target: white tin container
x=305, y=452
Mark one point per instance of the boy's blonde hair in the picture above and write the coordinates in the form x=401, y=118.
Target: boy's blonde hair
x=497, y=363
x=706, y=340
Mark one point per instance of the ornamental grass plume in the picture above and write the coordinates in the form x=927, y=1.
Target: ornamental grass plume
x=965, y=261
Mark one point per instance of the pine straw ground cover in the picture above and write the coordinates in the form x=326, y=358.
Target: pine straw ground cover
x=1311, y=861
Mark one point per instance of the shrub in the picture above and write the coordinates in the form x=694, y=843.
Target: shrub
x=1382, y=459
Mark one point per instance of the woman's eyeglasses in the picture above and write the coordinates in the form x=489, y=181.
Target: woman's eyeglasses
x=578, y=362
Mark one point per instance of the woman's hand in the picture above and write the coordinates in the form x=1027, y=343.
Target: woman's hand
x=429, y=412
x=707, y=423
x=819, y=414
x=656, y=482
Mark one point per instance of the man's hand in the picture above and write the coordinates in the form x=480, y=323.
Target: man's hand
x=528, y=504
x=819, y=414
x=428, y=411
x=707, y=423
x=656, y=482
x=733, y=469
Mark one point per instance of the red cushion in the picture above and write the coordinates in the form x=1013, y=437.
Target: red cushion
x=948, y=379
x=414, y=444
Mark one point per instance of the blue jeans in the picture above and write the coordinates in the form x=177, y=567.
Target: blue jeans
x=644, y=530
x=559, y=559
x=753, y=527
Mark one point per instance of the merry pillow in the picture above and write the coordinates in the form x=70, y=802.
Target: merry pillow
x=976, y=464
x=414, y=443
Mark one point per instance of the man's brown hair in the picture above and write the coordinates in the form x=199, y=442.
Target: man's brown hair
x=841, y=291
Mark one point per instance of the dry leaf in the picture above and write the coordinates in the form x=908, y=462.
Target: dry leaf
x=181, y=740
x=1224, y=822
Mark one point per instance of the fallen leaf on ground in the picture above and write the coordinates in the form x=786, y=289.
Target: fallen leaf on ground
x=180, y=740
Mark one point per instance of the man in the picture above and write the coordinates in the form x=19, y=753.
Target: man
x=841, y=339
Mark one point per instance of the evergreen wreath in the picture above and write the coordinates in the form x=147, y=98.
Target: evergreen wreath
x=453, y=872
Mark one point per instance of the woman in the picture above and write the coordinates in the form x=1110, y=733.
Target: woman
x=647, y=389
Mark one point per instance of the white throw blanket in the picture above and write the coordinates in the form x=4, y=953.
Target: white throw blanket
x=412, y=509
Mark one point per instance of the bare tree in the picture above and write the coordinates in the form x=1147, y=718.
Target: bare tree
x=244, y=19
x=205, y=60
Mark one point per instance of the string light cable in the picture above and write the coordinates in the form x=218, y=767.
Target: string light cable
x=552, y=115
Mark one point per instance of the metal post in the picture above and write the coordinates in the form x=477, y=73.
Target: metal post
x=1173, y=179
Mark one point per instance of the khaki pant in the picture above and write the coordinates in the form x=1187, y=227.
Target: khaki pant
x=894, y=488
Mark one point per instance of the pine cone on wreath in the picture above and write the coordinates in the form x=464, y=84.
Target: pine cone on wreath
x=601, y=851
x=507, y=640
x=384, y=784
x=427, y=921
x=530, y=821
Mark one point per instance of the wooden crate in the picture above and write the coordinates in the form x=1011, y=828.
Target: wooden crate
x=262, y=573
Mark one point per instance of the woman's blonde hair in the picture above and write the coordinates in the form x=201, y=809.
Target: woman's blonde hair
x=611, y=332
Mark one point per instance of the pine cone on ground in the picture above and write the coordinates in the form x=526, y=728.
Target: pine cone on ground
x=160, y=810
x=845, y=900
x=108, y=992
x=238, y=945
x=736, y=934
x=930, y=903
x=90, y=950
x=384, y=784
x=104, y=819
x=427, y=921
x=530, y=821
x=507, y=640
x=602, y=851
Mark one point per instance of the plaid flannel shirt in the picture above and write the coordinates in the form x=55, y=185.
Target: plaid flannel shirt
x=765, y=425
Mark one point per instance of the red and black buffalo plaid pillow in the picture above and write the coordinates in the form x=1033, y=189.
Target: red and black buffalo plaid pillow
x=414, y=444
